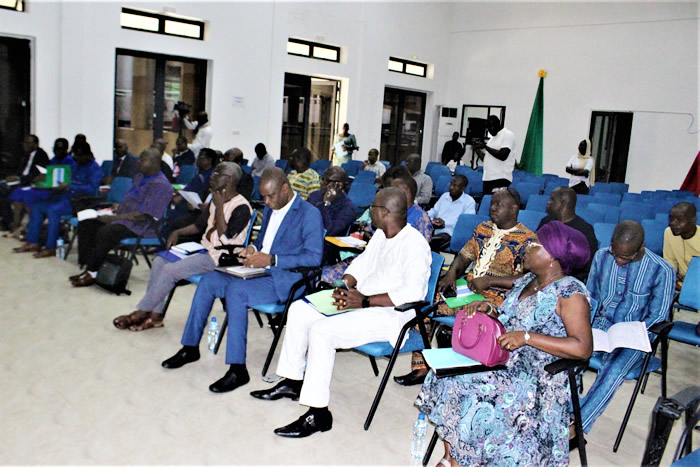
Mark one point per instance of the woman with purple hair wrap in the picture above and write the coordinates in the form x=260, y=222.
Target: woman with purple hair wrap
x=520, y=415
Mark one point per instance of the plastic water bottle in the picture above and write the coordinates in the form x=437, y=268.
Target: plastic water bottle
x=60, y=248
x=213, y=333
x=420, y=430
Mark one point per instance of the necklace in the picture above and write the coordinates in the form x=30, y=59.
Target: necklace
x=539, y=287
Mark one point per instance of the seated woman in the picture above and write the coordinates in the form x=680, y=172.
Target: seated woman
x=520, y=415
x=582, y=169
x=225, y=222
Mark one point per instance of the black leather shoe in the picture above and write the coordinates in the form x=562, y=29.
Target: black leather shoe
x=410, y=379
x=232, y=379
x=183, y=356
x=280, y=390
x=306, y=425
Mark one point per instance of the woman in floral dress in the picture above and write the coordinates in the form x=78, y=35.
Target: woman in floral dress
x=520, y=415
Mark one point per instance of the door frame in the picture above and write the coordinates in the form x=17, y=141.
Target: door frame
x=403, y=93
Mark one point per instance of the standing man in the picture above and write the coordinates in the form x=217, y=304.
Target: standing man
x=630, y=283
x=393, y=270
x=498, y=156
x=262, y=160
x=202, y=132
x=425, y=184
x=447, y=210
x=303, y=179
x=452, y=150
x=372, y=164
x=682, y=239
x=562, y=207
x=291, y=236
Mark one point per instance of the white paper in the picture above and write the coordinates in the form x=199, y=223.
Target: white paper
x=42, y=170
x=191, y=197
x=352, y=241
x=92, y=214
x=242, y=271
x=187, y=248
x=629, y=335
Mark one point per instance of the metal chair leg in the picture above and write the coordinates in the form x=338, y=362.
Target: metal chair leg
x=277, y=334
x=431, y=447
x=382, y=385
x=637, y=387
x=222, y=331
x=167, y=300
x=577, y=419
x=373, y=362
x=258, y=318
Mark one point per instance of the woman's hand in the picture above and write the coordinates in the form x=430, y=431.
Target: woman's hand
x=482, y=306
x=479, y=284
x=512, y=340
x=347, y=298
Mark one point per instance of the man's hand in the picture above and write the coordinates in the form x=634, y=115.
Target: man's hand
x=347, y=299
x=330, y=195
x=479, y=284
x=12, y=178
x=247, y=252
x=172, y=240
x=217, y=197
x=438, y=223
x=177, y=199
x=257, y=260
x=448, y=281
x=138, y=216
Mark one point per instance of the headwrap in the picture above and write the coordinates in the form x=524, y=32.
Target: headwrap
x=582, y=159
x=565, y=244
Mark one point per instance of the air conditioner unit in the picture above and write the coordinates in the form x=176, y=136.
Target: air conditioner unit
x=448, y=123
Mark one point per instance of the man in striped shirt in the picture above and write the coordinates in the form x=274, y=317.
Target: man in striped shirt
x=303, y=179
x=630, y=283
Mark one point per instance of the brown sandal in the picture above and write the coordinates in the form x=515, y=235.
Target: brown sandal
x=132, y=319
x=148, y=323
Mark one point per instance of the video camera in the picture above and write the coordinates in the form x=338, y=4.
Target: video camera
x=182, y=108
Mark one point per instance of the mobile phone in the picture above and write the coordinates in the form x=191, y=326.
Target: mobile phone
x=449, y=292
x=340, y=284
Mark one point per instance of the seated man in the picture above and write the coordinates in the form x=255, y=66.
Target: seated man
x=373, y=165
x=124, y=163
x=165, y=168
x=85, y=180
x=630, y=283
x=291, y=236
x=562, y=207
x=303, y=179
x=246, y=185
x=185, y=214
x=182, y=156
x=681, y=239
x=447, y=210
x=262, y=161
x=394, y=269
x=225, y=222
x=497, y=250
x=337, y=210
x=150, y=194
x=425, y=183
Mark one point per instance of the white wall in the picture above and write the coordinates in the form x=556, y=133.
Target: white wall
x=619, y=57
x=246, y=50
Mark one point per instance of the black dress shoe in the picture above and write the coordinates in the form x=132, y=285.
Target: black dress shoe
x=183, y=356
x=410, y=379
x=306, y=425
x=280, y=390
x=234, y=377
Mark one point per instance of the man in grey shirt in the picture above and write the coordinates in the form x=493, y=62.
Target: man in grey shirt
x=262, y=160
x=425, y=184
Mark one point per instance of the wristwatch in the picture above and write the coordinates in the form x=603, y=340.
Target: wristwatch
x=527, y=338
x=273, y=260
x=365, y=301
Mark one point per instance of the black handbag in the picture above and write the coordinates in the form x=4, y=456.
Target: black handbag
x=114, y=274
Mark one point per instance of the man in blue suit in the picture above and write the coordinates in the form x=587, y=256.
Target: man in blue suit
x=291, y=236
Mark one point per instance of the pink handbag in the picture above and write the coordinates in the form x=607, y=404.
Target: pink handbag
x=476, y=337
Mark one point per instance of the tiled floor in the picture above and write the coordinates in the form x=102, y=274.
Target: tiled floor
x=75, y=390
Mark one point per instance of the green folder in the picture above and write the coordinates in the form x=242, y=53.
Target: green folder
x=455, y=302
x=55, y=175
x=322, y=301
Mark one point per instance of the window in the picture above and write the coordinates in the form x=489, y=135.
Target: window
x=147, y=21
x=17, y=5
x=310, y=49
x=408, y=67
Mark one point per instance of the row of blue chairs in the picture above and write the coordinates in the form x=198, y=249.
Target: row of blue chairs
x=187, y=172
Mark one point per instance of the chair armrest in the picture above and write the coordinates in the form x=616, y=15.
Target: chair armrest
x=565, y=364
x=228, y=248
x=661, y=329
x=305, y=269
x=412, y=306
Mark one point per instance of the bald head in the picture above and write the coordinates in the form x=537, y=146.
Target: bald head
x=394, y=200
x=413, y=163
x=149, y=161
x=565, y=195
x=231, y=169
x=234, y=155
x=275, y=189
x=628, y=233
x=335, y=173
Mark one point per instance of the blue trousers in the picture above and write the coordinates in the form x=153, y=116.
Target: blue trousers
x=610, y=377
x=240, y=294
x=53, y=210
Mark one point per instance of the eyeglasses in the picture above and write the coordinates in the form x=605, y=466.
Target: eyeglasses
x=510, y=191
x=372, y=206
x=628, y=258
x=219, y=174
x=333, y=180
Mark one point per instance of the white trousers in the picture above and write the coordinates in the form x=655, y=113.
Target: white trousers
x=307, y=329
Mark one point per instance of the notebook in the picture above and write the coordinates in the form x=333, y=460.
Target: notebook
x=464, y=295
x=243, y=272
x=322, y=302
x=55, y=175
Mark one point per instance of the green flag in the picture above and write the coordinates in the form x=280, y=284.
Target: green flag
x=531, y=158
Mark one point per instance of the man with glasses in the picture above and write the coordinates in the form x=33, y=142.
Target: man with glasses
x=337, y=210
x=394, y=269
x=630, y=283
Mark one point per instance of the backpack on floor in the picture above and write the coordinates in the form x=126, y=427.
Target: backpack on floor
x=114, y=274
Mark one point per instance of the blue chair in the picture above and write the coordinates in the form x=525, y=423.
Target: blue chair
x=362, y=195
x=526, y=190
x=682, y=195
x=442, y=185
x=386, y=164
x=107, y=167
x=531, y=219
x=636, y=211
x=365, y=176
x=247, y=169
x=256, y=188
x=146, y=245
x=282, y=164
x=187, y=173
x=245, y=162
x=120, y=186
x=352, y=167
x=429, y=167
x=618, y=187
x=537, y=203
x=604, y=233
x=611, y=213
x=600, y=187
x=634, y=197
x=612, y=199
x=476, y=184
x=582, y=201
x=485, y=206
x=591, y=216
x=465, y=171
x=320, y=165
x=416, y=341
x=554, y=183
x=661, y=217
x=654, y=235
x=464, y=229
x=438, y=172
x=662, y=205
x=689, y=300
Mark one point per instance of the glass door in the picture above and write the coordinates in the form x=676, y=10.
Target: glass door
x=14, y=100
x=402, y=124
x=610, y=142
x=149, y=90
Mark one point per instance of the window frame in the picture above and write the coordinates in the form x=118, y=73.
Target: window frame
x=162, y=18
x=312, y=45
x=405, y=63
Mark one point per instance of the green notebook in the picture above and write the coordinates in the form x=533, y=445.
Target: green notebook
x=322, y=301
x=464, y=295
x=55, y=175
